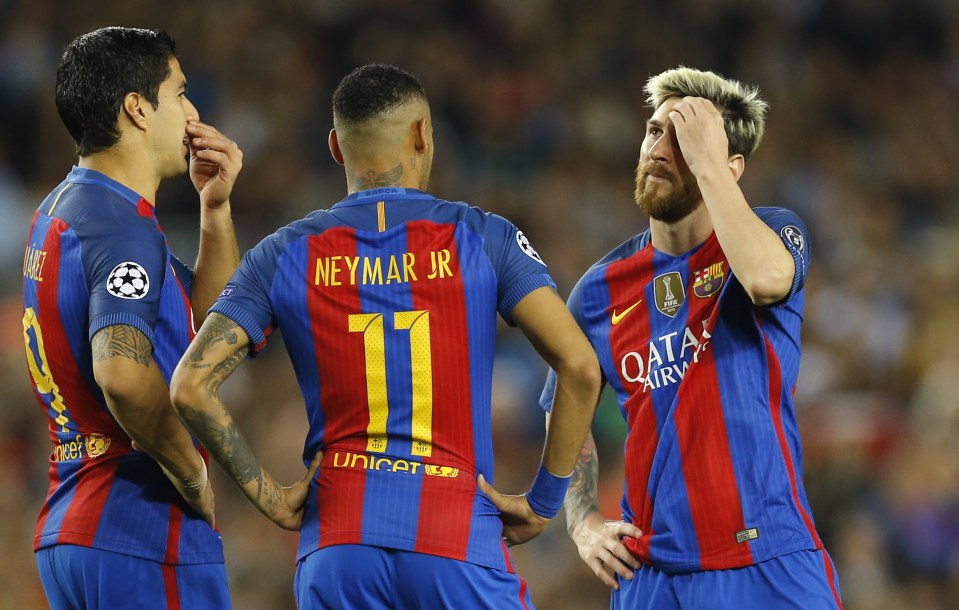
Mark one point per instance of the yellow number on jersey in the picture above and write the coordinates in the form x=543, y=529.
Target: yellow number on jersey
x=421, y=359
x=39, y=369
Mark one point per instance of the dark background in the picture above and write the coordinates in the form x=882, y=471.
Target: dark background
x=538, y=111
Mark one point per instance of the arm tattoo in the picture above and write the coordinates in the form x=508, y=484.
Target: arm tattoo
x=223, y=440
x=582, y=498
x=122, y=340
x=217, y=328
x=373, y=180
x=227, y=446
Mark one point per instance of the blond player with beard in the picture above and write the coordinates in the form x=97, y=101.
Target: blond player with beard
x=696, y=323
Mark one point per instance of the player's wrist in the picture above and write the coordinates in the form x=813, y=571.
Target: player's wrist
x=547, y=493
x=193, y=486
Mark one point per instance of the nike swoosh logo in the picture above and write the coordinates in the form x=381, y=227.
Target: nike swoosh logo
x=618, y=317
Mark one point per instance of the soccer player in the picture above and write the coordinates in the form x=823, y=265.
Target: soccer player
x=107, y=313
x=696, y=324
x=387, y=303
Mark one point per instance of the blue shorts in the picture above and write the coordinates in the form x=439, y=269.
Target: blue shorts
x=805, y=580
x=356, y=576
x=78, y=577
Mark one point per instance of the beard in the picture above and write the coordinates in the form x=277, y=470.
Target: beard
x=666, y=202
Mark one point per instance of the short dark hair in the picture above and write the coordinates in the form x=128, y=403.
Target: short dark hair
x=373, y=90
x=98, y=69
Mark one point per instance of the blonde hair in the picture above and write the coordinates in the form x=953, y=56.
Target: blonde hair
x=743, y=110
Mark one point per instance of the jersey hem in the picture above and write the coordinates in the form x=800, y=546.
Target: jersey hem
x=85, y=540
x=494, y=560
x=687, y=567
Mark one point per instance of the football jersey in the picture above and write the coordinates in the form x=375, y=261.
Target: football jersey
x=387, y=303
x=704, y=379
x=96, y=257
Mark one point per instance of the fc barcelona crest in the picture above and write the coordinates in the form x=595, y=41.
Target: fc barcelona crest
x=708, y=281
x=670, y=293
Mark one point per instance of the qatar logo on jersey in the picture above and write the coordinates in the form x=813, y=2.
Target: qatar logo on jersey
x=527, y=248
x=128, y=280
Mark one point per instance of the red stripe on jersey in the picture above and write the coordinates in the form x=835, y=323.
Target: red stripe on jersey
x=341, y=368
x=627, y=281
x=704, y=442
x=145, y=208
x=446, y=504
x=83, y=409
x=831, y=576
x=508, y=561
x=45, y=511
x=170, y=586
x=172, y=555
x=775, y=406
x=82, y=518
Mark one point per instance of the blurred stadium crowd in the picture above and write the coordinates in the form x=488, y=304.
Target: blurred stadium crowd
x=538, y=111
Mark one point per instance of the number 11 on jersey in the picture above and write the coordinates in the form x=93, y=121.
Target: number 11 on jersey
x=421, y=361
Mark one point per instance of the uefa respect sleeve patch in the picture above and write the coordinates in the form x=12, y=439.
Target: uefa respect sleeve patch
x=128, y=280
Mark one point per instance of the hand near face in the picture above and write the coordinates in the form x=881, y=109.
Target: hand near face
x=701, y=134
x=215, y=162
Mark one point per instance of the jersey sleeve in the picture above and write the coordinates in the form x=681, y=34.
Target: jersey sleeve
x=519, y=268
x=792, y=231
x=246, y=297
x=125, y=263
x=574, y=304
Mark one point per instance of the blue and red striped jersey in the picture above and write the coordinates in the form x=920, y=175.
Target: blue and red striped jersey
x=705, y=380
x=387, y=303
x=96, y=257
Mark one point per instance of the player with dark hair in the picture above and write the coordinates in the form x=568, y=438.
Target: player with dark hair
x=696, y=324
x=388, y=303
x=108, y=311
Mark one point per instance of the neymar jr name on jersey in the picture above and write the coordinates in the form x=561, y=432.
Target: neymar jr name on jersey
x=379, y=270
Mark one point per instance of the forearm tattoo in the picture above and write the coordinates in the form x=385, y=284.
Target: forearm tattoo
x=124, y=341
x=582, y=498
x=217, y=329
x=372, y=180
x=226, y=445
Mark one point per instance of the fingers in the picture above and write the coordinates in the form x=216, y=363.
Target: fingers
x=314, y=466
x=203, y=136
x=599, y=569
x=488, y=489
x=625, y=528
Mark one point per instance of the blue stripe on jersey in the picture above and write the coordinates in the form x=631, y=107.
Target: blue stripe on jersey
x=387, y=505
x=133, y=472
x=666, y=472
x=71, y=296
x=292, y=281
x=481, y=329
x=60, y=501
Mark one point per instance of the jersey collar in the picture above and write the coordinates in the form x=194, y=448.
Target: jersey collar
x=382, y=194
x=82, y=175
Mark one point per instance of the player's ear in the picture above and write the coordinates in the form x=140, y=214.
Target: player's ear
x=737, y=165
x=334, y=143
x=422, y=134
x=133, y=109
